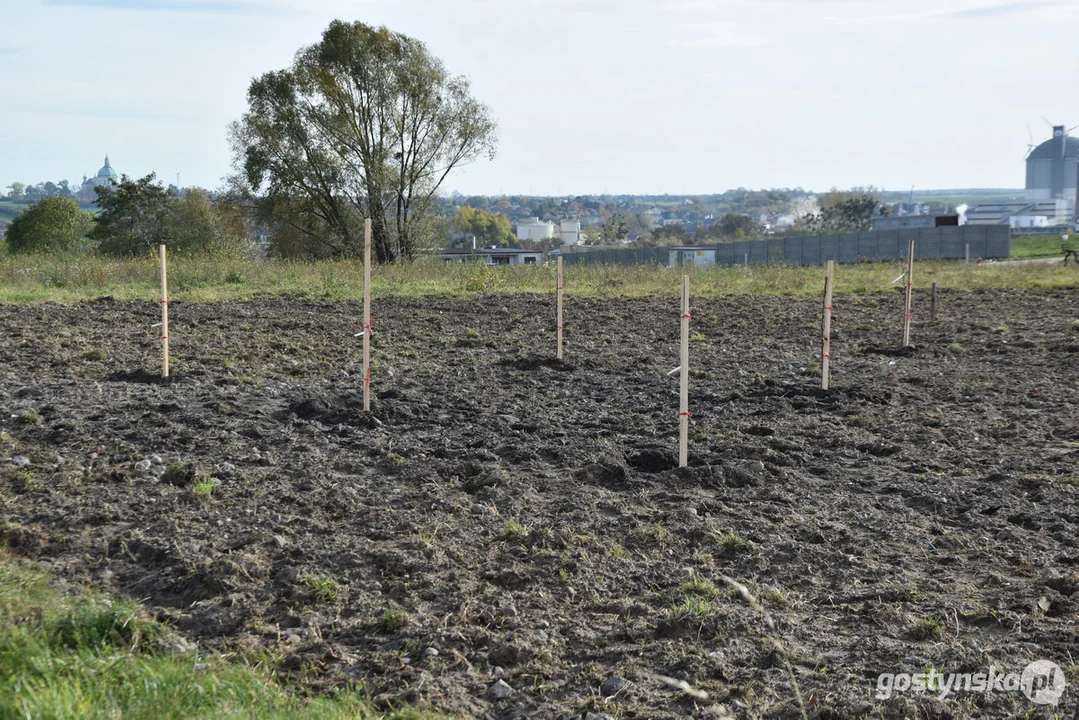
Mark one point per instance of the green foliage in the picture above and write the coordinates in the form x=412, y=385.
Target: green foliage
x=736, y=227
x=365, y=123
x=53, y=224
x=133, y=218
x=137, y=216
x=488, y=227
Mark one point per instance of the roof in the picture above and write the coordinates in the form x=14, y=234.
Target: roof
x=490, y=251
x=1049, y=149
x=107, y=171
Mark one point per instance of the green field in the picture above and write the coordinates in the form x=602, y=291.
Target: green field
x=1036, y=246
x=44, y=278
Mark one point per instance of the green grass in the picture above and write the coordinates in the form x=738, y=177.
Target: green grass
x=79, y=655
x=42, y=278
x=1036, y=246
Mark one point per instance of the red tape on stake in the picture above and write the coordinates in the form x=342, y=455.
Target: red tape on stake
x=163, y=302
x=827, y=356
x=164, y=337
x=367, y=379
x=686, y=316
x=828, y=308
x=559, y=328
x=685, y=413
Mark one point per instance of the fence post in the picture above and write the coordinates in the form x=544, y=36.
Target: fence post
x=164, y=316
x=558, y=303
x=906, y=303
x=826, y=346
x=367, y=315
x=683, y=388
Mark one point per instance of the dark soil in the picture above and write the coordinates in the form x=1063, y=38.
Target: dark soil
x=526, y=518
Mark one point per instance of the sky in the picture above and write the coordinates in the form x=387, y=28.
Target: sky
x=591, y=96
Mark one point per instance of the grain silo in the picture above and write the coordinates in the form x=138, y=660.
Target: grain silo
x=1052, y=167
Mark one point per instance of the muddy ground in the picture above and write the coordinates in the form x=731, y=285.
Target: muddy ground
x=502, y=516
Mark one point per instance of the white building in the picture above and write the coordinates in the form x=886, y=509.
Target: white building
x=534, y=229
x=571, y=232
x=494, y=256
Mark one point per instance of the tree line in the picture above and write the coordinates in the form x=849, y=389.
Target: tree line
x=135, y=217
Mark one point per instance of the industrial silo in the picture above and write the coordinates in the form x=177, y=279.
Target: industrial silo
x=1052, y=167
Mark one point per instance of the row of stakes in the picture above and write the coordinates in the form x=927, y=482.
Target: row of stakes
x=684, y=318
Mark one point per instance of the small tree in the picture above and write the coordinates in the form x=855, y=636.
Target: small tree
x=53, y=224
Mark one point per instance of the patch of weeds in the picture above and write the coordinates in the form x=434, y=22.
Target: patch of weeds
x=410, y=353
x=928, y=628
x=777, y=596
x=954, y=348
x=514, y=531
x=701, y=587
x=694, y=608
x=696, y=336
x=860, y=421
x=1075, y=326
x=392, y=458
x=1000, y=329
x=321, y=589
x=203, y=487
x=392, y=620
x=732, y=541
x=30, y=417
x=235, y=277
x=705, y=559
x=94, y=355
x=657, y=533
x=21, y=480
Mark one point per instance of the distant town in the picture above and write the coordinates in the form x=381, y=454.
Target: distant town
x=1046, y=204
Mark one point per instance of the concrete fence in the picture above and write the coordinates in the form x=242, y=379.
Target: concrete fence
x=979, y=241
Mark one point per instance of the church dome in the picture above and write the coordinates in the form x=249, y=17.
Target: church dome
x=107, y=171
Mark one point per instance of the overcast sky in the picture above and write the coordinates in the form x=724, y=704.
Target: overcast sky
x=591, y=96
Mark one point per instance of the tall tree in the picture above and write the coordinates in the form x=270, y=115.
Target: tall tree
x=365, y=123
x=18, y=190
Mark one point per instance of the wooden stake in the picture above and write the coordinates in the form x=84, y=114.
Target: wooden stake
x=933, y=306
x=906, y=303
x=164, y=316
x=558, y=303
x=826, y=346
x=367, y=315
x=683, y=413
